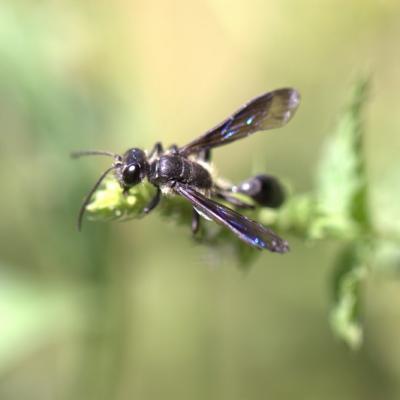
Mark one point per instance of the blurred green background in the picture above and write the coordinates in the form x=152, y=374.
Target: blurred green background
x=138, y=310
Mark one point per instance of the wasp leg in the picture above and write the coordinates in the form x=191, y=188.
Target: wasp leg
x=156, y=150
x=205, y=155
x=195, y=222
x=174, y=149
x=153, y=202
x=234, y=200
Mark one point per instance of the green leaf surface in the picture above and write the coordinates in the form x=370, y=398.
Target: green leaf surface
x=110, y=203
x=338, y=208
x=348, y=276
x=341, y=187
x=386, y=258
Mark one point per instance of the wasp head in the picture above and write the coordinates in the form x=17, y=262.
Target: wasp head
x=131, y=168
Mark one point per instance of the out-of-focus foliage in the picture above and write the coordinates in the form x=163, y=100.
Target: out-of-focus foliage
x=111, y=203
x=338, y=208
x=349, y=275
x=345, y=213
x=342, y=181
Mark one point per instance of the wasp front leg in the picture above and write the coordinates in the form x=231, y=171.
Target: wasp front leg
x=153, y=203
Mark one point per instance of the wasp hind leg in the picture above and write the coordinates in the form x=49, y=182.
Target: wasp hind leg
x=234, y=201
x=195, y=221
x=205, y=155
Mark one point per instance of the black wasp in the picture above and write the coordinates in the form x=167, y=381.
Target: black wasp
x=185, y=171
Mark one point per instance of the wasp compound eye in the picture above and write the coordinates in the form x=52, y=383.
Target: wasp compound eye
x=131, y=175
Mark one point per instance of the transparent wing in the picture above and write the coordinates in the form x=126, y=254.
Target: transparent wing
x=270, y=110
x=244, y=228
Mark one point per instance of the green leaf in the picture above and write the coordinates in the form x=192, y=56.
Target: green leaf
x=345, y=314
x=294, y=217
x=386, y=257
x=385, y=191
x=109, y=202
x=341, y=182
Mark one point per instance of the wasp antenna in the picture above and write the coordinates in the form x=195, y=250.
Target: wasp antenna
x=89, y=196
x=82, y=153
